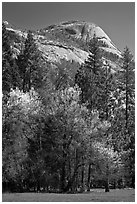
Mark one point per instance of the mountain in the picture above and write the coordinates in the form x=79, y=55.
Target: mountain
x=68, y=41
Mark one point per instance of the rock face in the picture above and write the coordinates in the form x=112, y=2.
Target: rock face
x=68, y=40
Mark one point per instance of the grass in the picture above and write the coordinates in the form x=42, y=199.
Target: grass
x=96, y=195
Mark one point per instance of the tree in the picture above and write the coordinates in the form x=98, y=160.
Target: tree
x=66, y=115
x=29, y=62
x=64, y=74
x=126, y=85
x=88, y=76
x=10, y=72
x=123, y=138
x=128, y=80
x=68, y=127
x=97, y=84
x=108, y=163
x=18, y=129
x=108, y=108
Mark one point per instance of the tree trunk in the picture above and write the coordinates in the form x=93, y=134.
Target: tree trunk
x=24, y=82
x=29, y=80
x=73, y=178
x=63, y=169
x=71, y=181
x=63, y=175
x=107, y=185
x=107, y=179
x=126, y=112
x=69, y=168
x=82, y=176
x=133, y=182
x=114, y=184
x=38, y=186
x=88, y=182
x=76, y=182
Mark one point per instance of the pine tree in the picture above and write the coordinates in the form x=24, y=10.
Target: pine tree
x=124, y=116
x=108, y=105
x=97, y=83
x=128, y=80
x=126, y=87
x=88, y=76
x=127, y=104
x=89, y=79
x=29, y=64
x=10, y=72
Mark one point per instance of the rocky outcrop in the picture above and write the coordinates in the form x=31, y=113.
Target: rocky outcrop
x=67, y=41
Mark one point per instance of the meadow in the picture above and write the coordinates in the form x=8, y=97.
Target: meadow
x=95, y=195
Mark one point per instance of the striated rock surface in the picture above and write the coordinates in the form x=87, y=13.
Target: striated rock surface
x=67, y=40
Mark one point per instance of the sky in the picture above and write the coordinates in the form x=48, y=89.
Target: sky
x=117, y=19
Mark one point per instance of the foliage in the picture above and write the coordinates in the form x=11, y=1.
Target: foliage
x=107, y=160
x=10, y=72
x=16, y=133
x=62, y=74
x=88, y=75
x=54, y=133
x=65, y=135
x=126, y=87
x=29, y=62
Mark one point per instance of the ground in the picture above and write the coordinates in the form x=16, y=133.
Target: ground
x=96, y=195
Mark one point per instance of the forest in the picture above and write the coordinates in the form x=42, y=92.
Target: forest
x=63, y=131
